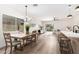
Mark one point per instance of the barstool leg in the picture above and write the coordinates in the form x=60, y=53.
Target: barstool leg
x=5, y=49
x=11, y=50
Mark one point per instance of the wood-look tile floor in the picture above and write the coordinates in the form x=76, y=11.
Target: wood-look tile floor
x=47, y=44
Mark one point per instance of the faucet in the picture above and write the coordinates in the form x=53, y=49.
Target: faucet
x=74, y=27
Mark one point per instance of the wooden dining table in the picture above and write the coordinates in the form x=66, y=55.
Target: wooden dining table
x=17, y=35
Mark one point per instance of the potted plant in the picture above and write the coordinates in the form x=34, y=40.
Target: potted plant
x=27, y=29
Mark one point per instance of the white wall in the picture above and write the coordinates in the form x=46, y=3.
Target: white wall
x=9, y=10
x=2, y=42
x=61, y=24
x=76, y=19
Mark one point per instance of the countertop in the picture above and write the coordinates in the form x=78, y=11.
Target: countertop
x=74, y=40
x=70, y=34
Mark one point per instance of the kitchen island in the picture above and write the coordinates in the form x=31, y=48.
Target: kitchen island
x=74, y=37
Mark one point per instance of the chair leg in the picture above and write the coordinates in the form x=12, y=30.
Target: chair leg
x=23, y=42
x=11, y=50
x=21, y=47
x=31, y=43
x=26, y=42
x=35, y=40
x=5, y=49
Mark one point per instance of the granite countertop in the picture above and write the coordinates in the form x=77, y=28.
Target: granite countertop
x=74, y=40
x=70, y=34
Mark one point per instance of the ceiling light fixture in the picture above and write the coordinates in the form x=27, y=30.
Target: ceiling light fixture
x=26, y=13
x=77, y=8
x=35, y=5
x=69, y=16
x=27, y=18
x=54, y=18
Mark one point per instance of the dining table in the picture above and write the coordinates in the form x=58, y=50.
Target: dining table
x=20, y=36
x=17, y=35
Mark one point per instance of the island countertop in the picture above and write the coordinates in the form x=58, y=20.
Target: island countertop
x=74, y=37
x=70, y=34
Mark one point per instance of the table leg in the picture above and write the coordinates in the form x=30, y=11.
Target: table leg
x=16, y=45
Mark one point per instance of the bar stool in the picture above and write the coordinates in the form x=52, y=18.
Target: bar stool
x=65, y=46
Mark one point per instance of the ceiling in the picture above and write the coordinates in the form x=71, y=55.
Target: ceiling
x=43, y=11
x=16, y=10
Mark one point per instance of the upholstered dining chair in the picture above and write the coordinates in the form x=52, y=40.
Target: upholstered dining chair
x=34, y=37
x=28, y=39
x=9, y=42
x=31, y=37
x=65, y=46
x=34, y=32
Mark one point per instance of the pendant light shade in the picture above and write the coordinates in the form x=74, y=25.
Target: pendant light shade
x=26, y=6
x=35, y=4
x=26, y=12
x=69, y=16
x=77, y=8
x=27, y=18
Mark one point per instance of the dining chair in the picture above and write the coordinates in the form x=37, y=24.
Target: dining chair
x=9, y=42
x=31, y=38
x=34, y=37
x=34, y=31
x=28, y=39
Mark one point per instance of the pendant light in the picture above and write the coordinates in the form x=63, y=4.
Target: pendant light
x=77, y=8
x=69, y=16
x=26, y=20
x=54, y=18
x=26, y=13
